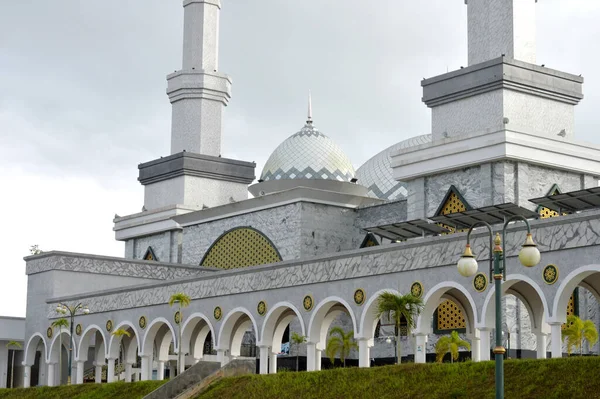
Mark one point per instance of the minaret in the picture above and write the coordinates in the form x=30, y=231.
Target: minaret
x=499, y=27
x=198, y=92
x=502, y=126
x=195, y=175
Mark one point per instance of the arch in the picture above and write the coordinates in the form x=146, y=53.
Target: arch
x=276, y=321
x=583, y=276
x=195, y=329
x=53, y=350
x=368, y=319
x=153, y=331
x=526, y=290
x=114, y=342
x=323, y=315
x=449, y=290
x=84, y=343
x=241, y=247
x=233, y=328
x=31, y=349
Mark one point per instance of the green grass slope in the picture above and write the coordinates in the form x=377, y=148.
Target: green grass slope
x=570, y=378
x=115, y=390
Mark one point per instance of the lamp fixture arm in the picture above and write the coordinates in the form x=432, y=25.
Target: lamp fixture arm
x=506, y=222
x=489, y=227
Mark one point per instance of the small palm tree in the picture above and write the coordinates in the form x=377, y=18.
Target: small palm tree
x=59, y=324
x=120, y=333
x=340, y=342
x=297, y=339
x=577, y=331
x=398, y=307
x=13, y=345
x=450, y=344
x=183, y=301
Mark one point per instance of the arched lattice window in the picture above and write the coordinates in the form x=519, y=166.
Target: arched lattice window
x=448, y=317
x=241, y=247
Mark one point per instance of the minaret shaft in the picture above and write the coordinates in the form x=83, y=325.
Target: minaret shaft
x=498, y=27
x=201, y=34
x=198, y=93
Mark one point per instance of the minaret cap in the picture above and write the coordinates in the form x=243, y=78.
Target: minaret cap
x=309, y=121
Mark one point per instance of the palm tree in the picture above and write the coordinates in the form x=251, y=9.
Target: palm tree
x=341, y=343
x=398, y=307
x=120, y=333
x=450, y=344
x=59, y=324
x=183, y=301
x=14, y=345
x=297, y=339
x=577, y=331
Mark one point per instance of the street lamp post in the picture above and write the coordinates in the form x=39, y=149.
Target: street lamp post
x=71, y=311
x=529, y=256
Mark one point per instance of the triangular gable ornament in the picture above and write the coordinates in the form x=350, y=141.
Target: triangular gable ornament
x=149, y=255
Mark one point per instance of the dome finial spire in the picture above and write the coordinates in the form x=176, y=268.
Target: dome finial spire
x=309, y=120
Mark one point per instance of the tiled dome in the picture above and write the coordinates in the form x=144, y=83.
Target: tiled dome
x=308, y=154
x=376, y=173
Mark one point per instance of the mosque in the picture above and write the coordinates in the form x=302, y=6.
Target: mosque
x=318, y=240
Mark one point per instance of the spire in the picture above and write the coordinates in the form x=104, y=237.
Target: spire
x=309, y=121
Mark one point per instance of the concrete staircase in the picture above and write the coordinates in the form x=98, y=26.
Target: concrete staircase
x=195, y=379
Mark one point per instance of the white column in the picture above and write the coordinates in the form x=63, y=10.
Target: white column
x=201, y=34
x=128, y=372
x=420, y=347
x=222, y=357
x=318, y=356
x=273, y=363
x=145, y=368
x=311, y=352
x=475, y=346
x=541, y=344
x=484, y=343
x=182, y=364
x=51, y=378
x=110, y=372
x=161, y=370
x=79, y=373
x=264, y=359
x=98, y=372
x=364, y=353
x=27, y=376
x=556, y=339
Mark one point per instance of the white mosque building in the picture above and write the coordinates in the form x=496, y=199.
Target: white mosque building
x=318, y=241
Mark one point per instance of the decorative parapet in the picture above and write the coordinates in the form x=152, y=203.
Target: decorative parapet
x=74, y=262
x=551, y=235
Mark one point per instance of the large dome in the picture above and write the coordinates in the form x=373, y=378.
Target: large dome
x=376, y=174
x=308, y=154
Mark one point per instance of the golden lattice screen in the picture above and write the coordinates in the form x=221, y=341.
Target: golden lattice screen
x=241, y=247
x=450, y=317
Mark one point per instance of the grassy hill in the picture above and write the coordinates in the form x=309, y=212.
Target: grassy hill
x=115, y=390
x=570, y=378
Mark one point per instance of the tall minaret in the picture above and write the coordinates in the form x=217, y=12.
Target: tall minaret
x=198, y=92
x=499, y=27
x=195, y=175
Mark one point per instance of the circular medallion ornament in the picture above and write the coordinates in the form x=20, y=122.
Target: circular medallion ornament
x=109, y=326
x=480, y=282
x=78, y=329
x=308, y=303
x=218, y=313
x=416, y=289
x=550, y=274
x=177, y=317
x=359, y=296
x=261, y=308
x=142, y=322
x=49, y=332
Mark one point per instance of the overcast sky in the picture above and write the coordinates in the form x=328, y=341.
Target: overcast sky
x=82, y=96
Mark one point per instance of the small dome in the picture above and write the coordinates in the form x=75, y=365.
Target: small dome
x=308, y=154
x=376, y=174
